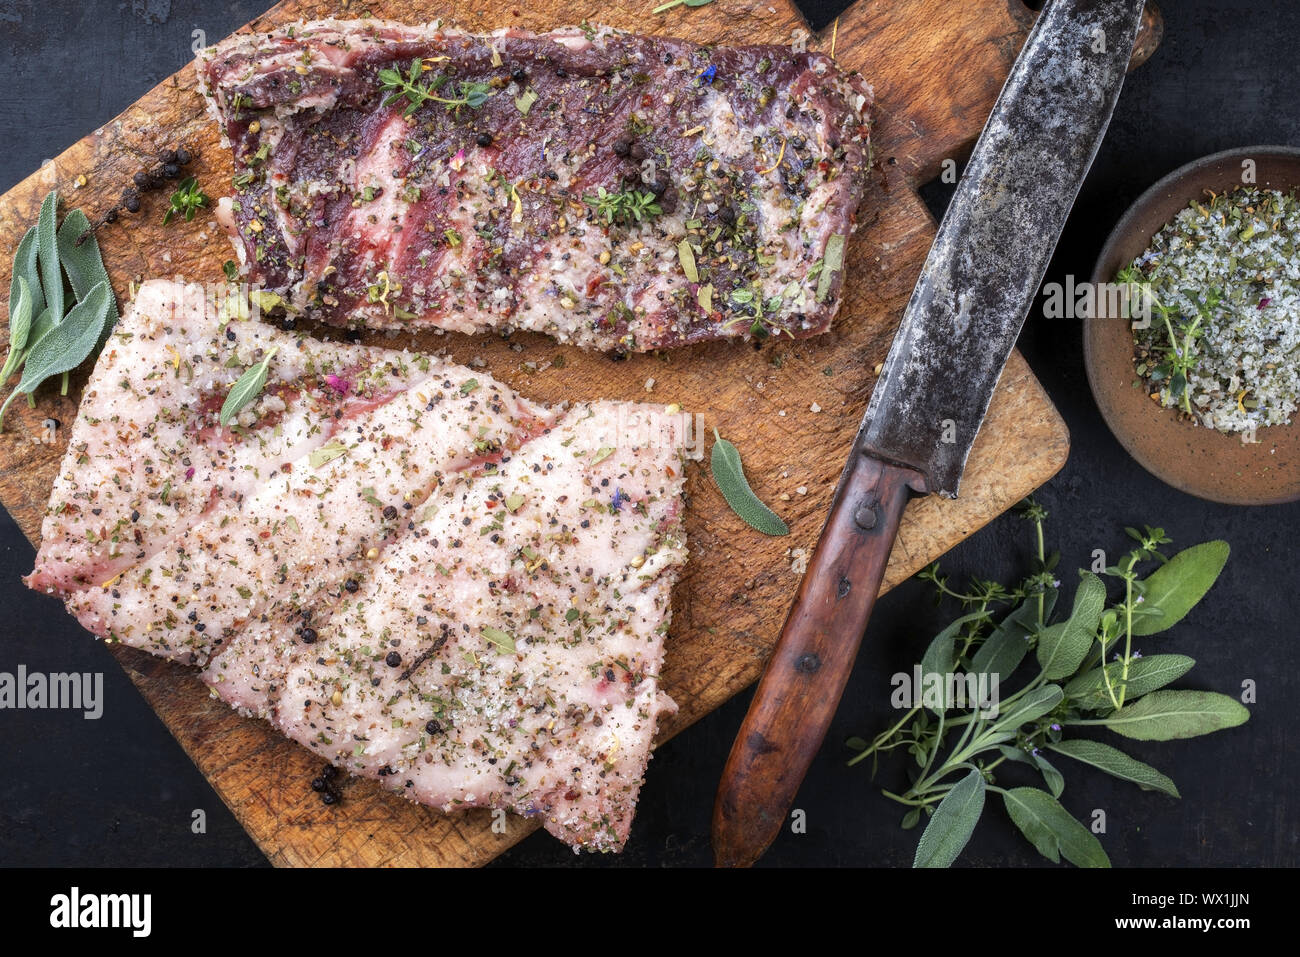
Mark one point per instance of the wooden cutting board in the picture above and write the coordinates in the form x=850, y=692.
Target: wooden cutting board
x=791, y=408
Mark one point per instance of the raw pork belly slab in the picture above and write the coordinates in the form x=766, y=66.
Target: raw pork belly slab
x=367, y=203
x=397, y=561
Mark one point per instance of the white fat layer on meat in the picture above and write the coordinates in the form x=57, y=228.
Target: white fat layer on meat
x=302, y=574
x=560, y=727
x=148, y=462
x=312, y=524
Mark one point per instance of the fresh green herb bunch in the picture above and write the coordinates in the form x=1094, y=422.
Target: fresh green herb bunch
x=625, y=207
x=417, y=91
x=1088, y=675
x=61, y=305
x=1180, y=353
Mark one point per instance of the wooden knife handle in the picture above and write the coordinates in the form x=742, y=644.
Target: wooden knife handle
x=805, y=676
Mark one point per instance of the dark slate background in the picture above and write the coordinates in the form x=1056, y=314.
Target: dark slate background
x=120, y=791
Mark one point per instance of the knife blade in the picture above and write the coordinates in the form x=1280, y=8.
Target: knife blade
x=978, y=281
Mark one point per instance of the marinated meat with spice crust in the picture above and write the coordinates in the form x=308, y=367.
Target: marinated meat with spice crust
x=616, y=191
x=396, y=560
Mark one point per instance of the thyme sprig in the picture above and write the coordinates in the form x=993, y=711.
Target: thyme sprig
x=1180, y=353
x=187, y=200
x=417, y=91
x=961, y=746
x=624, y=207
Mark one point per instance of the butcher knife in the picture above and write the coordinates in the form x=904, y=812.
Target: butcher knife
x=960, y=325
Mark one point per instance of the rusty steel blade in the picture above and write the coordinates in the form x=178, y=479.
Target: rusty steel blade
x=997, y=238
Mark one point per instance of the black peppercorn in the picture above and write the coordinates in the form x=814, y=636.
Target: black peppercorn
x=351, y=584
x=433, y=727
x=143, y=180
x=393, y=660
x=562, y=73
x=637, y=152
x=183, y=157
x=328, y=798
x=167, y=156
x=390, y=512
x=318, y=784
x=309, y=636
x=132, y=204
x=484, y=139
x=519, y=76
x=622, y=146
x=171, y=170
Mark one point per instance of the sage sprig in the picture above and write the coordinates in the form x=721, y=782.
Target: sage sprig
x=246, y=388
x=729, y=474
x=960, y=744
x=45, y=339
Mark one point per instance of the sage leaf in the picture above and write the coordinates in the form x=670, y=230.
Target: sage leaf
x=1117, y=764
x=1063, y=646
x=20, y=324
x=25, y=267
x=1176, y=586
x=1052, y=829
x=729, y=475
x=1051, y=777
x=952, y=823
x=1004, y=649
x=1145, y=675
x=84, y=264
x=47, y=255
x=42, y=324
x=1062, y=650
x=1015, y=754
x=65, y=345
x=247, y=388
x=940, y=658
x=1167, y=715
x=502, y=640
x=62, y=347
x=1031, y=707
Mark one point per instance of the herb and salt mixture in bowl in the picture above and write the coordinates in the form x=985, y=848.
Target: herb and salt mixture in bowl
x=1196, y=368
x=1221, y=283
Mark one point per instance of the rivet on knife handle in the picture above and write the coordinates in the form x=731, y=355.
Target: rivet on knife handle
x=806, y=674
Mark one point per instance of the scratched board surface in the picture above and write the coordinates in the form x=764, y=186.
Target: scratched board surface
x=792, y=407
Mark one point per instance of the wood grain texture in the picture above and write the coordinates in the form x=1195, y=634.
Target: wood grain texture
x=936, y=66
